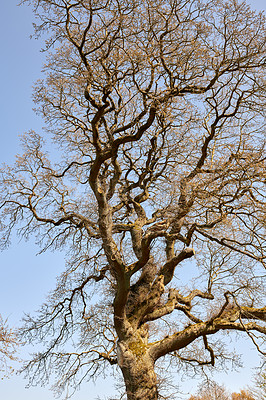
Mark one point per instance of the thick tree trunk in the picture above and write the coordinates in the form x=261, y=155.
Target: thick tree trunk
x=138, y=370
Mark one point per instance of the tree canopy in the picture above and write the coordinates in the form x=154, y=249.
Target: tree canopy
x=154, y=187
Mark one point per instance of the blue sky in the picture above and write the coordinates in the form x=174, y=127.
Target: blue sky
x=25, y=278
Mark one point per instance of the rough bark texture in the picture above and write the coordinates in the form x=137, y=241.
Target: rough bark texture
x=138, y=370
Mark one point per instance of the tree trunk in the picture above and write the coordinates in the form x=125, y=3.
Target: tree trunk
x=138, y=370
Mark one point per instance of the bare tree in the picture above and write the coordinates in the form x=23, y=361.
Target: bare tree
x=158, y=110
x=211, y=391
x=8, y=344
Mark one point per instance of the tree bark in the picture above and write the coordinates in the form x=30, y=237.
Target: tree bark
x=138, y=370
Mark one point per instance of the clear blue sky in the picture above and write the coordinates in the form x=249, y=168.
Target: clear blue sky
x=26, y=279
